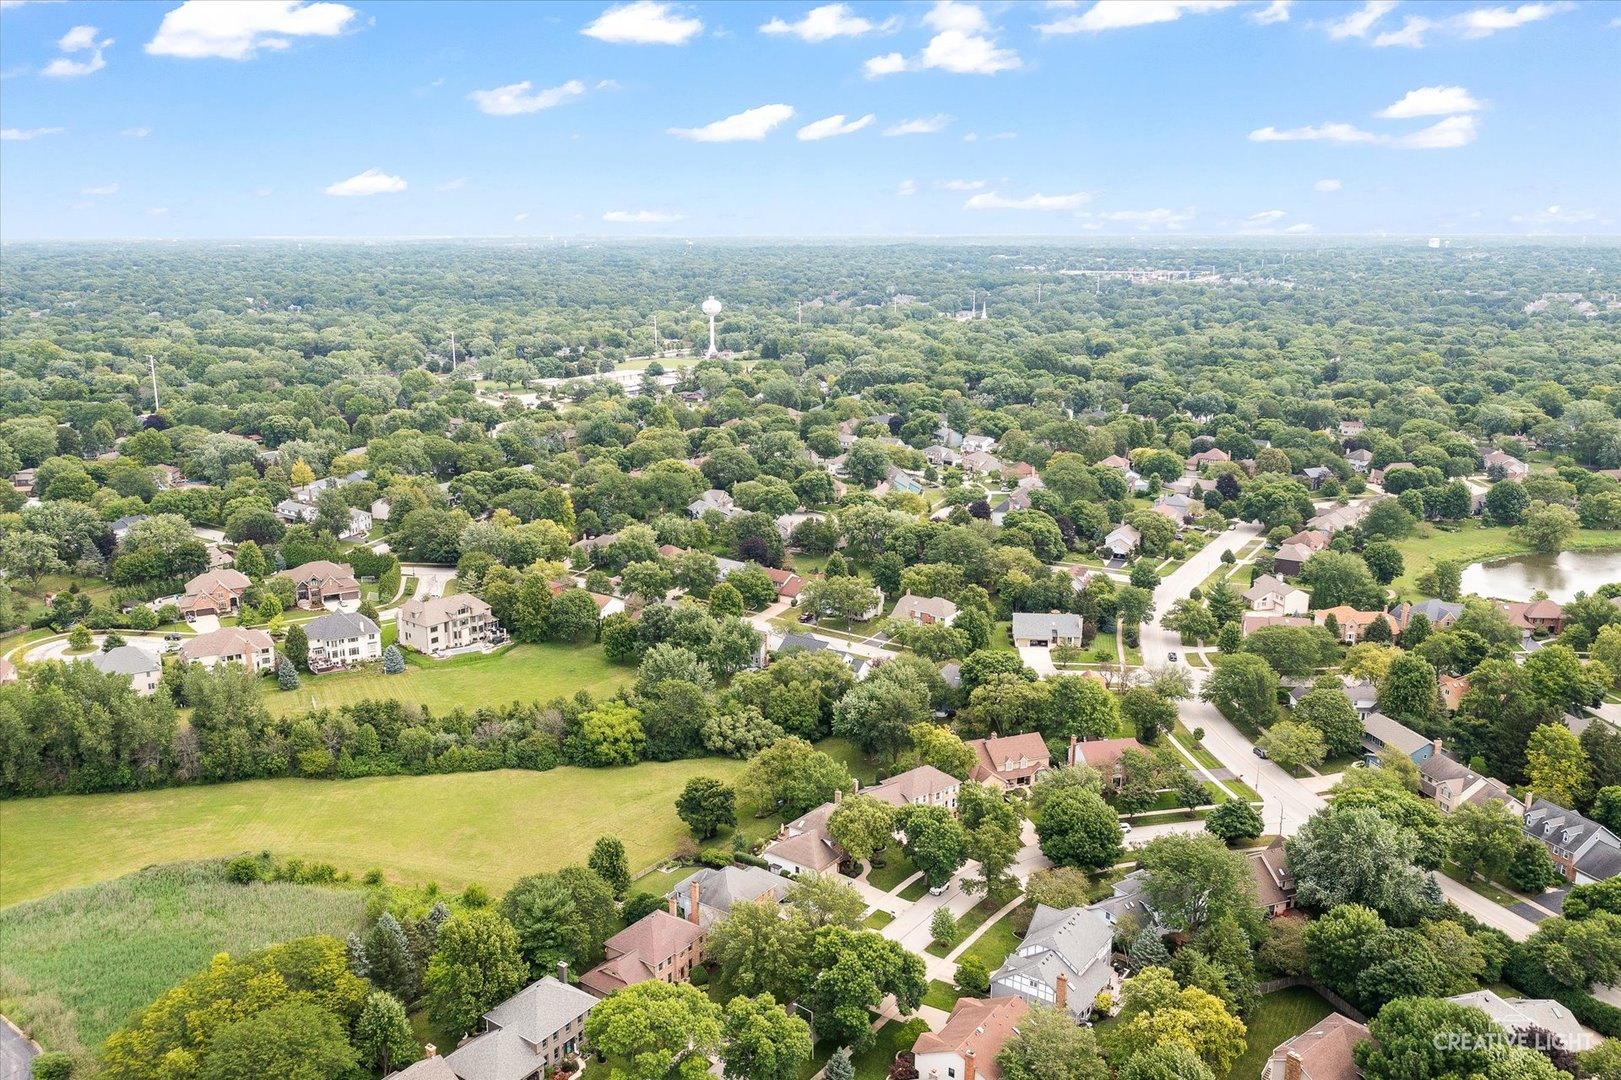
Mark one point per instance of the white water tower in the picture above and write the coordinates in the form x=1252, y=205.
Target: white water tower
x=711, y=307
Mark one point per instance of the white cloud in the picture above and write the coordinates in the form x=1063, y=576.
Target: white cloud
x=521, y=98
x=1556, y=215
x=1452, y=132
x=1410, y=36
x=830, y=126
x=1483, y=22
x=25, y=134
x=1119, y=14
x=137, y=132
x=1275, y=12
x=953, y=15
x=887, y=64
x=238, y=30
x=1343, y=133
x=1161, y=217
x=961, y=185
x=157, y=211
x=923, y=125
x=102, y=189
x=641, y=217
x=751, y=125
x=1432, y=101
x=1301, y=227
x=826, y=23
x=1326, y=185
x=990, y=200
x=1359, y=23
x=963, y=44
x=1267, y=217
x=645, y=22
x=906, y=187
x=78, y=39
x=521, y=217
x=370, y=182
x=451, y=185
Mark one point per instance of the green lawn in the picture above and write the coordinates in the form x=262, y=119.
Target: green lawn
x=994, y=945
x=518, y=673
x=896, y=869
x=490, y=827
x=970, y=920
x=941, y=995
x=1472, y=542
x=892, y=1038
x=878, y=920
x=76, y=964
x=1279, y=1017
x=1498, y=896
x=915, y=891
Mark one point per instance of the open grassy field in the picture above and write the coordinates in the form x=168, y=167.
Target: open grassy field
x=1473, y=542
x=491, y=827
x=74, y=966
x=519, y=673
x=1280, y=1016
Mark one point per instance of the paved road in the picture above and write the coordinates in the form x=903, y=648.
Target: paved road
x=57, y=649
x=17, y=1053
x=1288, y=802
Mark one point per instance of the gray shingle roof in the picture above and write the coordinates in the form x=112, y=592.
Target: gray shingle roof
x=1392, y=732
x=1034, y=624
x=125, y=660
x=1062, y=941
x=339, y=625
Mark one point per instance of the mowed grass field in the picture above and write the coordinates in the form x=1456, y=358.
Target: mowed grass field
x=519, y=673
x=490, y=827
x=73, y=966
x=1474, y=542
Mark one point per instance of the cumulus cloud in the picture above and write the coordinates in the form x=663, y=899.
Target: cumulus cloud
x=826, y=23
x=906, y=187
x=961, y=185
x=1326, y=185
x=1432, y=101
x=991, y=200
x=751, y=125
x=1119, y=14
x=1267, y=217
x=1342, y=133
x=831, y=126
x=237, y=31
x=1301, y=227
x=521, y=217
x=79, y=39
x=25, y=134
x=641, y=217
x=1160, y=217
x=100, y=189
x=1415, y=30
x=370, y=182
x=963, y=44
x=923, y=125
x=645, y=22
x=1275, y=12
x=521, y=98
x=1452, y=132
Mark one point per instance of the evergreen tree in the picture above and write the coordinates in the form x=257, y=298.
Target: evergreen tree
x=393, y=662
x=296, y=647
x=287, y=675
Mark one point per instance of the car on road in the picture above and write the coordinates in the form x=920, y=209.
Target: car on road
x=1124, y=828
x=939, y=890
x=1171, y=656
x=1260, y=752
x=807, y=617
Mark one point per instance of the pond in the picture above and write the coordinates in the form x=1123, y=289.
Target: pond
x=1561, y=576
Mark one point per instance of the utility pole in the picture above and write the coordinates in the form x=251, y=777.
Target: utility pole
x=152, y=365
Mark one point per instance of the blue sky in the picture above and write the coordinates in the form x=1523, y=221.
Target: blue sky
x=1136, y=118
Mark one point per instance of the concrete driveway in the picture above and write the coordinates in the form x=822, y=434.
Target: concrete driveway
x=17, y=1053
x=1038, y=660
x=58, y=649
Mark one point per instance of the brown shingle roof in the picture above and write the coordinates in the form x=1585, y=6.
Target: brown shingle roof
x=979, y=1027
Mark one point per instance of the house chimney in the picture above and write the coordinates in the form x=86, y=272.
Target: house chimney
x=562, y=972
x=692, y=907
x=1435, y=745
x=838, y=796
x=672, y=905
x=1063, y=990
x=1530, y=797
x=1293, y=1067
x=968, y=1064
x=430, y=1050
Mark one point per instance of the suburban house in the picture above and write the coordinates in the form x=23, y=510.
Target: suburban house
x=1378, y=475
x=1122, y=541
x=660, y=945
x=921, y=786
x=1013, y=761
x=1128, y=899
x=717, y=891
x=1360, y=460
x=1538, y=616
x=1353, y=623
x=925, y=609
x=1585, y=851
x=860, y=666
x=141, y=668
x=1274, y=884
x=123, y=525
x=1102, y=755
x=941, y=456
x=978, y=444
x=716, y=500
x=1032, y=629
x=445, y=624
x=979, y=463
x=293, y=511
x=1513, y=468
x=1275, y=595
x=1019, y=499
x=526, y=1037
x=1380, y=731
x=1451, y=783
x=788, y=584
x=1453, y=688
x=217, y=592
x=1340, y=517
x=898, y=479
x=1322, y=1053
x=1440, y=614
x=1516, y=1016
x=1289, y=558
x=803, y=846
x=253, y=649
x=1207, y=457
x=1063, y=960
x=323, y=583
x=380, y=509
x=360, y=523
x=1253, y=621
x=965, y=1048
x=342, y=639
x=1350, y=429
x=1121, y=465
